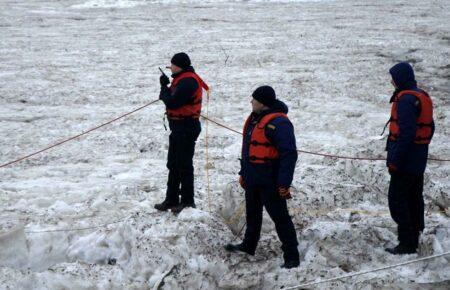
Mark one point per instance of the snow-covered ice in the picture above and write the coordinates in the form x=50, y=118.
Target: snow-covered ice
x=67, y=66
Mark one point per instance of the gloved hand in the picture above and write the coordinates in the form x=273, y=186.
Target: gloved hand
x=392, y=168
x=284, y=192
x=241, y=182
x=164, y=80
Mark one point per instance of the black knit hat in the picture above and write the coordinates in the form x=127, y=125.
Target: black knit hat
x=265, y=95
x=181, y=60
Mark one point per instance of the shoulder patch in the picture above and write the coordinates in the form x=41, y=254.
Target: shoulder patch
x=270, y=126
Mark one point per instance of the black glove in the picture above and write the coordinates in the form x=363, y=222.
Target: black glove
x=164, y=80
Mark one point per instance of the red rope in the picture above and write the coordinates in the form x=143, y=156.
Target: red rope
x=207, y=118
x=221, y=125
x=342, y=157
x=321, y=154
x=76, y=136
x=437, y=159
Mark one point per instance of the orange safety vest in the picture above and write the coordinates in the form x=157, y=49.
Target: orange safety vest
x=192, y=109
x=261, y=150
x=424, y=122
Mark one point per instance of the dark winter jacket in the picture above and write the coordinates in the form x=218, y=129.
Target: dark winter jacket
x=404, y=153
x=183, y=94
x=281, y=171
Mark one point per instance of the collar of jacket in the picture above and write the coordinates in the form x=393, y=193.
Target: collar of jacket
x=398, y=91
x=189, y=69
x=256, y=117
x=394, y=95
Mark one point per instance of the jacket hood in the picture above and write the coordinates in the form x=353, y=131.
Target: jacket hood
x=279, y=107
x=403, y=76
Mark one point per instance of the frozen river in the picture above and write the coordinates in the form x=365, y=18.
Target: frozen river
x=67, y=66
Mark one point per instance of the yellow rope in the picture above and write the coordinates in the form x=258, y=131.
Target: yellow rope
x=208, y=188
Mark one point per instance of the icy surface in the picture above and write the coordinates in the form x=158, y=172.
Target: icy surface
x=67, y=66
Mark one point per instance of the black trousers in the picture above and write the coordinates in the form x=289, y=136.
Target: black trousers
x=180, y=165
x=256, y=198
x=407, y=207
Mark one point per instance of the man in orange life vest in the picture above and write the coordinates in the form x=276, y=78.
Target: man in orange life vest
x=410, y=131
x=183, y=100
x=269, y=154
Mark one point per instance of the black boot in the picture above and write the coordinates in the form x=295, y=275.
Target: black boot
x=291, y=257
x=291, y=264
x=239, y=248
x=165, y=205
x=401, y=250
x=177, y=209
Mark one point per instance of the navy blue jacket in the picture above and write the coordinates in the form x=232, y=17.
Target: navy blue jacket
x=404, y=153
x=281, y=134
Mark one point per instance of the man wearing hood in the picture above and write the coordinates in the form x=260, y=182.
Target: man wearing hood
x=411, y=129
x=269, y=154
x=183, y=100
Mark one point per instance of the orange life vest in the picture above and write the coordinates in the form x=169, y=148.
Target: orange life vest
x=261, y=150
x=424, y=122
x=192, y=109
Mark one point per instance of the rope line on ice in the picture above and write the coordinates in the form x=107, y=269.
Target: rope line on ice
x=311, y=283
x=352, y=211
x=77, y=136
x=234, y=218
x=80, y=229
x=204, y=117
x=297, y=211
x=120, y=220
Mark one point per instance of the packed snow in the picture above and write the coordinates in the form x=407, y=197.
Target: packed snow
x=80, y=216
